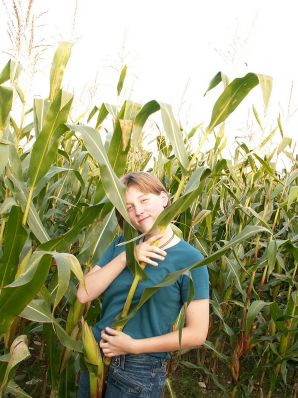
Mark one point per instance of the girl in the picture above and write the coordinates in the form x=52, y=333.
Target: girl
x=139, y=354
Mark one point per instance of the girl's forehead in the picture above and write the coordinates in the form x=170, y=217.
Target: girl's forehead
x=135, y=191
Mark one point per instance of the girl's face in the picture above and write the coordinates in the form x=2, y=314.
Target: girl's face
x=144, y=208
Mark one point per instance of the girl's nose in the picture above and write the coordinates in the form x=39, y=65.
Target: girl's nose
x=139, y=210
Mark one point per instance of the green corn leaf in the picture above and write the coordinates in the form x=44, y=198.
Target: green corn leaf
x=63, y=277
x=117, y=153
x=268, y=138
x=257, y=117
x=53, y=171
x=266, y=166
x=233, y=270
x=198, y=175
x=211, y=346
x=21, y=194
x=39, y=311
x=32, y=265
x=14, y=300
x=293, y=196
x=6, y=96
x=178, y=207
x=292, y=177
x=129, y=235
x=45, y=147
x=121, y=79
x=92, y=113
x=59, y=63
x=172, y=129
x=40, y=109
x=266, y=87
x=249, y=210
x=217, y=310
x=11, y=71
x=18, y=352
x=103, y=236
x=113, y=187
x=209, y=374
x=63, y=242
x=104, y=110
x=5, y=73
x=53, y=356
x=214, y=82
x=141, y=118
x=4, y=156
x=286, y=141
x=7, y=205
x=102, y=114
x=20, y=93
x=66, y=263
x=271, y=255
x=232, y=96
x=174, y=134
x=277, y=314
x=252, y=313
x=15, y=390
x=14, y=239
x=170, y=388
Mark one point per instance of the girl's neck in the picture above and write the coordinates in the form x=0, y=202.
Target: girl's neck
x=168, y=237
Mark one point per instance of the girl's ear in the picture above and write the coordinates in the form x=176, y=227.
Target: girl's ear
x=165, y=198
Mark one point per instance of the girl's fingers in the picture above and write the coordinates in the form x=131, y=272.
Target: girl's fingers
x=104, y=336
x=155, y=255
x=111, y=331
x=155, y=249
x=149, y=261
x=152, y=249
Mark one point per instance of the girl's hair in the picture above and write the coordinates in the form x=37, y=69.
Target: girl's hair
x=146, y=183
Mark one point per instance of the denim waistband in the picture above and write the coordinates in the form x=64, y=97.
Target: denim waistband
x=144, y=360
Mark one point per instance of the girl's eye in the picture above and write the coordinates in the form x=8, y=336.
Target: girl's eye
x=129, y=208
x=144, y=200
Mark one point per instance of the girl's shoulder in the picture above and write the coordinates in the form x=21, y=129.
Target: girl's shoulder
x=184, y=250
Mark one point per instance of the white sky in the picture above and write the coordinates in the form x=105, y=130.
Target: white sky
x=173, y=48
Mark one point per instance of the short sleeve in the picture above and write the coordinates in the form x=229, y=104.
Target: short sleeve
x=108, y=254
x=200, y=278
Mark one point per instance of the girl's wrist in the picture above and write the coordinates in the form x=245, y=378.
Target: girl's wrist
x=136, y=347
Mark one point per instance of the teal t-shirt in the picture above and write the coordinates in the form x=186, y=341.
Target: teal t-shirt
x=159, y=313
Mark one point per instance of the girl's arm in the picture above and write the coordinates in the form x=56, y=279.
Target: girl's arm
x=99, y=279
x=193, y=335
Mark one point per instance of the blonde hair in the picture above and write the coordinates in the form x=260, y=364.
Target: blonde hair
x=146, y=183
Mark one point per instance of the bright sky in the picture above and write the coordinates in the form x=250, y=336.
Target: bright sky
x=173, y=48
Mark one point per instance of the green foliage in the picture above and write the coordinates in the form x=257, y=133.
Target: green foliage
x=59, y=186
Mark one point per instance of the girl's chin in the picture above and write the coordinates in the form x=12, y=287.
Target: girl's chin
x=143, y=229
x=145, y=226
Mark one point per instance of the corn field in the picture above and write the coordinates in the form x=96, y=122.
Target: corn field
x=58, y=193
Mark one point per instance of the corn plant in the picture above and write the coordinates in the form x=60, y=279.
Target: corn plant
x=59, y=187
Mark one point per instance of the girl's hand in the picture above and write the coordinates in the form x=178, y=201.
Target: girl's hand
x=146, y=251
x=115, y=343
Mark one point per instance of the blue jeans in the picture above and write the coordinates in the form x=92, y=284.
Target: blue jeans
x=131, y=376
